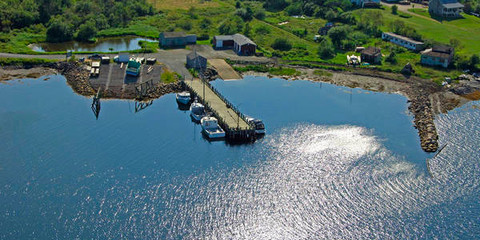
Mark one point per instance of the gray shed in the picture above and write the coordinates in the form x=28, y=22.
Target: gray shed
x=196, y=61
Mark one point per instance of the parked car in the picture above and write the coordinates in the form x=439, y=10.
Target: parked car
x=95, y=56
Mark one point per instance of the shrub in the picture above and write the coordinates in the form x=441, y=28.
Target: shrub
x=300, y=32
x=326, y=49
x=282, y=44
x=259, y=14
x=59, y=31
x=262, y=30
x=231, y=26
x=203, y=36
x=245, y=13
x=185, y=24
x=205, y=23
x=337, y=34
x=86, y=31
x=275, y=5
x=294, y=9
x=391, y=58
x=394, y=9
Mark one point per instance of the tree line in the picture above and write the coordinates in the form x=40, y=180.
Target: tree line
x=69, y=19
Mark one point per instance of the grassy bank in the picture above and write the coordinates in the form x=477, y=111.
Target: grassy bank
x=24, y=61
x=278, y=71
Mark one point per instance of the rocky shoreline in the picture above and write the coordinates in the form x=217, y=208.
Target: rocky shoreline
x=419, y=92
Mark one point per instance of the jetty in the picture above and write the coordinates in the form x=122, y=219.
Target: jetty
x=235, y=124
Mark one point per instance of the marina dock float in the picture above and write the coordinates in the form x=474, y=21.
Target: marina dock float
x=234, y=123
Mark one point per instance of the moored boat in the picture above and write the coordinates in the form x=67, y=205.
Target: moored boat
x=259, y=126
x=197, y=111
x=183, y=97
x=211, y=128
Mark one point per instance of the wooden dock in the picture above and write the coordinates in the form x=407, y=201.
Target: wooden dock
x=229, y=117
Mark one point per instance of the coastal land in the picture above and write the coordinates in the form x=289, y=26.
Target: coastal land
x=426, y=98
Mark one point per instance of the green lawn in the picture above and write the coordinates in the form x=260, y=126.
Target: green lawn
x=466, y=29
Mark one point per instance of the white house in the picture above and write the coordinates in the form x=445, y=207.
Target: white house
x=403, y=41
x=445, y=8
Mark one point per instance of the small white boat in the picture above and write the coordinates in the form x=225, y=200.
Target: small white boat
x=197, y=111
x=211, y=128
x=259, y=126
x=183, y=97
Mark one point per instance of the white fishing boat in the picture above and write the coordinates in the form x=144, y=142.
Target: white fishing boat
x=259, y=126
x=183, y=97
x=197, y=111
x=211, y=128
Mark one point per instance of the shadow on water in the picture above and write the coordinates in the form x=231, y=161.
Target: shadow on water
x=96, y=105
x=139, y=106
x=183, y=107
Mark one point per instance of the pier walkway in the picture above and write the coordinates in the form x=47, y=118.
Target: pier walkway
x=230, y=119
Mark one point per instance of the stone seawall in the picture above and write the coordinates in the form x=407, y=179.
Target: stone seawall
x=421, y=108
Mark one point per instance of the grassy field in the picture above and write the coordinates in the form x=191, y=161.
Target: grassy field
x=24, y=61
x=466, y=29
x=182, y=4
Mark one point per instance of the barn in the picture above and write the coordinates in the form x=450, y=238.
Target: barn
x=223, y=41
x=176, y=39
x=241, y=44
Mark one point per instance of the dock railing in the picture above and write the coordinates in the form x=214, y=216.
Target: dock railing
x=227, y=103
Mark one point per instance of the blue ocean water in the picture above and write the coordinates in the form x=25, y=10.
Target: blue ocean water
x=336, y=163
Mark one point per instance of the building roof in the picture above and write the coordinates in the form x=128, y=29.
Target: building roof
x=403, y=38
x=174, y=34
x=242, y=40
x=429, y=52
x=442, y=49
x=194, y=54
x=372, y=51
x=448, y=1
x=224, y=37
x=452, y=5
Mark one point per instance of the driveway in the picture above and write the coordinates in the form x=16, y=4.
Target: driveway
x=404, y=8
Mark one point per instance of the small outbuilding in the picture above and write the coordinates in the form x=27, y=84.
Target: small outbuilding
x=176, y=39
x=196, y=61
x=371, y=55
